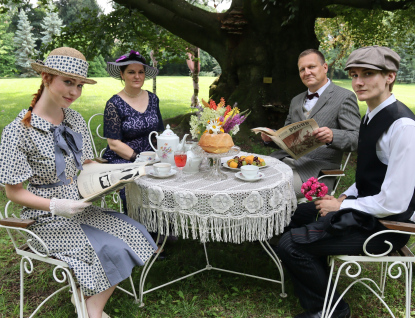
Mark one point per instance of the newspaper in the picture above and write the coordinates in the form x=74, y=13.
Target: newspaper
x=97, y=180
x=296, y=139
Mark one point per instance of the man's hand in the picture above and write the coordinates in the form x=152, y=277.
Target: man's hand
x=327, y=204
x=323, y=134
x=265, y=137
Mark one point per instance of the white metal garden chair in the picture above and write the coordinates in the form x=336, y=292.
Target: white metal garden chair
x=22, y=239
x=394, y=265
x=96, y=135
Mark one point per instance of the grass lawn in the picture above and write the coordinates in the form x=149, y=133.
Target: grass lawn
x=174, y=93
x=210, y=294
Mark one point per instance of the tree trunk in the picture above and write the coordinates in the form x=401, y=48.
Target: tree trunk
x=194, y=66
x=250, y=44
x=154, y=62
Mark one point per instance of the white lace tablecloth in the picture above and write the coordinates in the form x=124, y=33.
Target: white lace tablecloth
x=231, y=210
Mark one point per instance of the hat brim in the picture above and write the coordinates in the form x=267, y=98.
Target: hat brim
x=113, y=69
x=363, y=66
x=39, y=68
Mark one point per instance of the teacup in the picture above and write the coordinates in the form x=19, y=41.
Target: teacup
x=249, y=172
x=147, y=156
x=162, y=168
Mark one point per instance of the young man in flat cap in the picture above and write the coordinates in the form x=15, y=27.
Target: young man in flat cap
x=384, y=187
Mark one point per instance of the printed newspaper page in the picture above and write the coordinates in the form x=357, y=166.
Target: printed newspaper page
x=296, y=139
x=96, y=180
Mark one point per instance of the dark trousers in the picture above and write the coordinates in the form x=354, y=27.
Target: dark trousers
x=307, y=263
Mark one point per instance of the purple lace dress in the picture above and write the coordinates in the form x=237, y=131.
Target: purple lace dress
x=122, y=122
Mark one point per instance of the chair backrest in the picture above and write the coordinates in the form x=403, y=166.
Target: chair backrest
x=94, y=128
x=343, y=168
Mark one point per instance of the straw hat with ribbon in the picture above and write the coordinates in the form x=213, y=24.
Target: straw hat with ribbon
x=113, y=68
x=65, y=61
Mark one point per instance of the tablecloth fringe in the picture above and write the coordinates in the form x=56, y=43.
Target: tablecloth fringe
x=217, y=228
x=211, y=229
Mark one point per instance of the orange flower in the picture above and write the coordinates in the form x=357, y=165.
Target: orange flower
x=228, y=109
x=212, y=104
x=205, y=104
x=221, y=103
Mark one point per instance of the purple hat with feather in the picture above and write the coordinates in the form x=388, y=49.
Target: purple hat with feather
x=113, y=68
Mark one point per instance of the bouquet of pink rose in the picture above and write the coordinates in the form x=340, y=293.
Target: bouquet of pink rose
x=312, y=188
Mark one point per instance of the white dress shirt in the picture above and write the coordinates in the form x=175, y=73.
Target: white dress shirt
x=396, y=149
x=309, y=103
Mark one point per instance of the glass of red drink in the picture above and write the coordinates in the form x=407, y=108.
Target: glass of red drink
x=180, y=158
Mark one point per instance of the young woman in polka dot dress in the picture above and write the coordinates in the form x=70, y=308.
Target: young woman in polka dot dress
x=47, y=145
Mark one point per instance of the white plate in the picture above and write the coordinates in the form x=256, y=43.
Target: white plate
x=225, y=165
x=172, y=173
x=149, y=162
x=239, y=175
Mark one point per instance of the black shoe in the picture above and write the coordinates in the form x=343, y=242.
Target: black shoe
x=338, y=313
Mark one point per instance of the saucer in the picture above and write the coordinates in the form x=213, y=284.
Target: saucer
x=239, y=175
x=149, y=162
x=225, y=165
x=171, y=173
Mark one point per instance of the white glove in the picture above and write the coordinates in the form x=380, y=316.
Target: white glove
x=67, y=208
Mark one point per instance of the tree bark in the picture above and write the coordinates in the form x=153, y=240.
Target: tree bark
x=250, y=44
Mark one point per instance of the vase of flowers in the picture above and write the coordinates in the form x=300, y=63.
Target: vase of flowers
x=217, y=116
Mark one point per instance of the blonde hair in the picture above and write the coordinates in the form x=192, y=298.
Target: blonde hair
x=28, y=117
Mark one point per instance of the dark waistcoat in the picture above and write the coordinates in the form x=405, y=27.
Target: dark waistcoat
x=370, y=171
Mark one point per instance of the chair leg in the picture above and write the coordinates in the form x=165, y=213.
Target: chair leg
x=23, y=267
x=408, y=286
x=327, y=302
x=134, y=292
x=383, y=277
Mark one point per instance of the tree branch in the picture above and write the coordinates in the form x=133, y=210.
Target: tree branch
x=181, y=18
x=370, y=4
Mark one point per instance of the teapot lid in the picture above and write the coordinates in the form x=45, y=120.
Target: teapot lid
x=168, y=133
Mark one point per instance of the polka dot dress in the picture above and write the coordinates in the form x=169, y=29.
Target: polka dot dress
x=100, y=246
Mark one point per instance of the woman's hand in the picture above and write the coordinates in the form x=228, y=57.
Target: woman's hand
x=327, y=204
x=120, y=148
x=67, y=208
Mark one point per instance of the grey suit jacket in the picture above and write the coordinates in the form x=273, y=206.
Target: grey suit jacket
x=336, y=109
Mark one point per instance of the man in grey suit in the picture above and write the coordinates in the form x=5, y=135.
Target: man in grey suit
x=336, y=112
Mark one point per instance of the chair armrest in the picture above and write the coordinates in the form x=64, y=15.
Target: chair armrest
x=15, y=222
x=100, y=160
x=332, y=172
x=400, y=226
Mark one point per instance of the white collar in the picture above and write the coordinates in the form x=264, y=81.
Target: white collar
x=321, y=89
x=390, y=100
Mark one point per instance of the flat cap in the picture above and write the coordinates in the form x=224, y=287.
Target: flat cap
x=374, y=57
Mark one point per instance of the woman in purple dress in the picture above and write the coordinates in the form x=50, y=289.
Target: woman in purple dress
x=131, y=114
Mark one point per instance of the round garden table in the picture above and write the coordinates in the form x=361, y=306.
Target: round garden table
x=230, y=210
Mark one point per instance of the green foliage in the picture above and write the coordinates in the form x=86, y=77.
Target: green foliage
x=25, y=44
x=120, y=31
x=51, y=25
x=35, y=16
x=97, y=67
x=75, y=11
x=352, y=28
x=7, y=58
